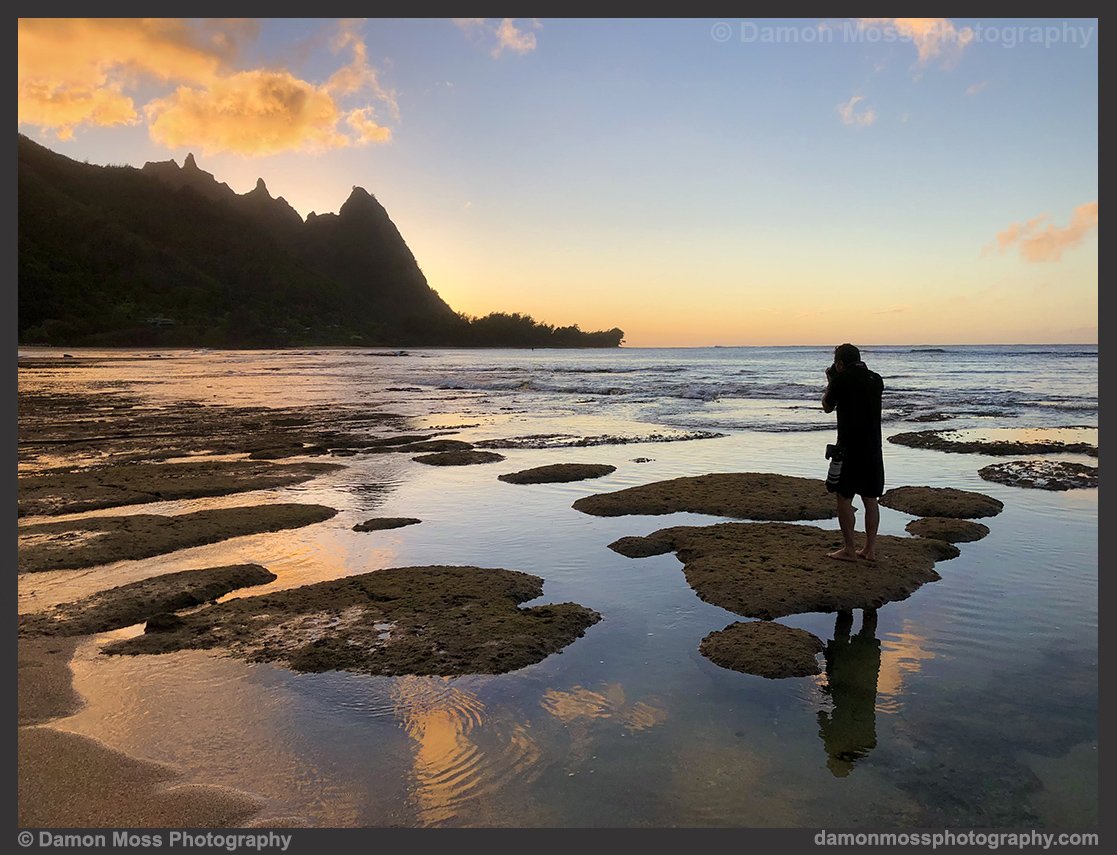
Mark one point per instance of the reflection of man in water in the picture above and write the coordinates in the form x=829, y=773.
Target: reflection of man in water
x=849, y=729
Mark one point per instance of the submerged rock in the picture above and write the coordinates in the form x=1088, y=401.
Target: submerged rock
x=640, y=547
x=101, y=426
x=941, y=502
x=558, y=473
x=1042, y=474
x=743, y=495
x=381, y=523
x=140, y=601
x=403, y=620
x=400, y=439
x=939, y=440
x=87, y=542
x=458, y=458
x=929, y=417
x=949, y=529
x=765, y=649
x=436, y=445
x=563, y=440
x=768, y=570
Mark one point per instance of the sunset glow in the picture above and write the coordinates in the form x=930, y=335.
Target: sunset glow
x=876, y=180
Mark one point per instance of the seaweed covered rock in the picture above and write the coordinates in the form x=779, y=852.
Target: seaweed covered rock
x=403, y=620
x=76, y=491
x=941, y=502
x=383, y=523
x=948, y=529
x=467, y=457
x=87, y=542
x=741, y=495
x=558, y=473
x=640, y=547
x=140, y=601
x=950, y=441
x=1056, y=475
x=764, y=648
x=768, y=570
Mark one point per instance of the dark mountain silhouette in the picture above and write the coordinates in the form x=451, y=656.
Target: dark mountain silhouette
x=167, y=255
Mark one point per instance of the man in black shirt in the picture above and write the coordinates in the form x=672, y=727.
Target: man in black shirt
x=855, y=392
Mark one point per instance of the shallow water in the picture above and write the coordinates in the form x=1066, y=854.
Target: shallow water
x=974, y=702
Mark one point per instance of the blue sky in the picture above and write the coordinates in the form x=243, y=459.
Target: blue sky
x=644, y=174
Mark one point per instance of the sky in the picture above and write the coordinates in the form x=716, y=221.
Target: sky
x=692, y=181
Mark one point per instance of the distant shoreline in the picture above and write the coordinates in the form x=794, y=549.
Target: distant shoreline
x=406, y=348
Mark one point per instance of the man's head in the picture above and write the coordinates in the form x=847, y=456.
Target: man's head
x=846, y=354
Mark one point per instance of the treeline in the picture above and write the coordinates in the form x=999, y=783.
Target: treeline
x=125, y=326
x=500, y=329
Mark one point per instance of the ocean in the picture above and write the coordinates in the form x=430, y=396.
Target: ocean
x=973, y=703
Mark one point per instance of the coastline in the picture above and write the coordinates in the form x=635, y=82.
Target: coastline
x=514, y=725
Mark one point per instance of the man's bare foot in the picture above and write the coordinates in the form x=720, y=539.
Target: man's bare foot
x=843, y=554
x=864, y=553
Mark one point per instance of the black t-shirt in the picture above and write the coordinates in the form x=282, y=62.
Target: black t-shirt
x=855, y=392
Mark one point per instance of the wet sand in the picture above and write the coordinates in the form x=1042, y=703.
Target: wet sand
x=45, y=684
x=71, y=781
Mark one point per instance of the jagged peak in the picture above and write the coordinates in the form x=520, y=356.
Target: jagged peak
x=361, y=200
x=190, y=163
x=261, y=188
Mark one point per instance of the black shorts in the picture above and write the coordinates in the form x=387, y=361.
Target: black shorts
x=862, y=474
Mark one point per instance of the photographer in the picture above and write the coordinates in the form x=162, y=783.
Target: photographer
x=858, y=468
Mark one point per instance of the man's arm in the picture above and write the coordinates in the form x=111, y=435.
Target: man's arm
x=829, y=399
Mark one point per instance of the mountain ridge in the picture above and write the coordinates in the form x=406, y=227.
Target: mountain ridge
x=168, y=255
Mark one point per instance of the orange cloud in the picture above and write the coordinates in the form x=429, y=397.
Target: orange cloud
x=504, y=35
x=851, y=116
x=64, y=108
x=932, y=37
x=367, y=130
x=510, y=38
x=1039, y=243
x=358, y=75
x=75, y=73
x=251, y=112
x=72, y=72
